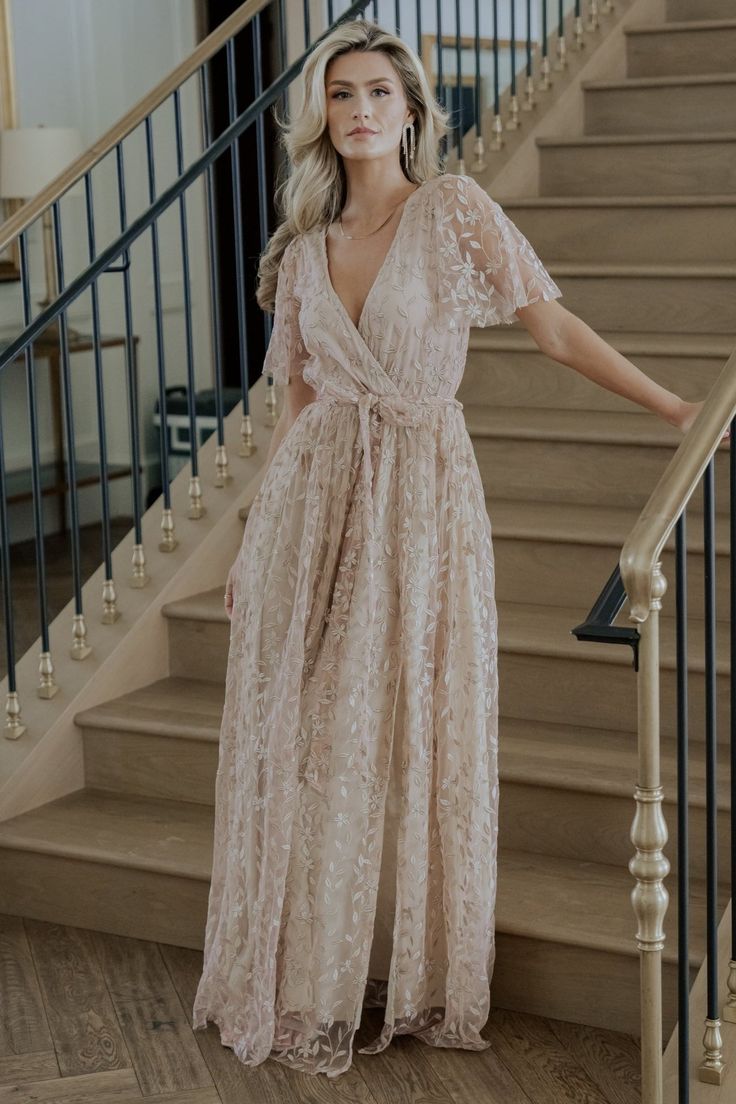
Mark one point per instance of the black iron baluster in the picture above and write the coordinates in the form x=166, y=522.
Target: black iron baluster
x=712, y=1059
x=246, y=429
x=168, y=542
x=478, y=149
x=47, y=685
x=529, y=101
x=545, y=81
x=512, y=123
x=80, y=649
x=397, y=17
x=440, y=73
x=139, y=578
x=497, y=128
x=307, y=25
x=459, y=90
x=110, y=612
x=14, y=726
x=683, y=860
x=222, y=476
x=419, y=26
x=196, y=509
x=270, y=398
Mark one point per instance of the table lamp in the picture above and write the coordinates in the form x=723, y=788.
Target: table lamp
x=30, y=158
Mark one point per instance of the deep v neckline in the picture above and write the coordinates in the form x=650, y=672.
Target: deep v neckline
x=382, y=268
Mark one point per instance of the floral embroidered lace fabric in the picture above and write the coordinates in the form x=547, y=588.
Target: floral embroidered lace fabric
x=356, y=816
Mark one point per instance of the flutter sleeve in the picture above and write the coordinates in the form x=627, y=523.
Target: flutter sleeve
x=286, y=354
x=487, y=268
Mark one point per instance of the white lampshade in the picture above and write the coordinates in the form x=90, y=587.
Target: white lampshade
x=31, y=157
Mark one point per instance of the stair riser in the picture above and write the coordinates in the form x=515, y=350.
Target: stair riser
x=582, y=826
x=577, y=984
x=529, y=378
x=599, y=694
x=629, y=234
x=658, y=304
x=557, y=574
x=672, y=110
x=682, y=11
x=198, y=649
x=150, y=765
x=560, y=471
x=642, y=168
x=676, y=53
x=142, y=904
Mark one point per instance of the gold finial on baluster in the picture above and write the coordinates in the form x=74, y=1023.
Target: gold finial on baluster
x=545, y=82
x=110, y=611
x=169, y=542
x=247, y=447
x=593, y=23
x=712, y=1068
x=729, y=1008
x=270, y=402
x=561, y=61
x=579, y=33
x=139, y=577
x=80, y=649
x=222, y=476
x=13, y=727
x=513, y=122
x=478, y=150
x=47, y=686
x=497, y=142
x=196, y=508
x=529, y=102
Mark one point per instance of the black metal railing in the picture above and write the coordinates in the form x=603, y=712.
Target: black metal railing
x=35, y=338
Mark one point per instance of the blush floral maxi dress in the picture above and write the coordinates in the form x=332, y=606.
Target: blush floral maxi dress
x=357, y=794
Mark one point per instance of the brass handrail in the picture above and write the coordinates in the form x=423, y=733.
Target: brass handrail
x=644, y=543
x=209, y=46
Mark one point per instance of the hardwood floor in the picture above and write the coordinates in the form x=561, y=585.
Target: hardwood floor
x=92, y=1018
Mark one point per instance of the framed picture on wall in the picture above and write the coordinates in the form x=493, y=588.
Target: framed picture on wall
x=9, y=258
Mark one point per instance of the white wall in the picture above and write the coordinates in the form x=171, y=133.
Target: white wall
x=84, y=63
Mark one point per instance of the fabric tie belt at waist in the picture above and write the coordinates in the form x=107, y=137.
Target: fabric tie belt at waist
x=398, y=410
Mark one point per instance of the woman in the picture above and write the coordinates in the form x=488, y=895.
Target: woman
x=357, y=793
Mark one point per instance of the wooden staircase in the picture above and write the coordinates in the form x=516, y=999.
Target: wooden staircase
x=636, y=221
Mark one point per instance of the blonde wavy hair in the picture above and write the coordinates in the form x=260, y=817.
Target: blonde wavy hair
x=313, y=192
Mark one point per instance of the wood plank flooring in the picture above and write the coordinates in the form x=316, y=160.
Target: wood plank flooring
x=92, y=1018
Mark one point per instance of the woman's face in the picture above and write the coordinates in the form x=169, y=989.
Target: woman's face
x=364, y=90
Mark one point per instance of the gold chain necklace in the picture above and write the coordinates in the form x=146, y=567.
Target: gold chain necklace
x=352, y=237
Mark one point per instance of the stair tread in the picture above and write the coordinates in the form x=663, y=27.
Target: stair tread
x=667, y=81
x=686, y=25
x=528, y=628
x=682, y=269
x=580, y=903
x=586, y=523
x=182, y=707
x=620, y=427
x=715, y=199
x=628, y=342
x=652, y=137
x=583, y=759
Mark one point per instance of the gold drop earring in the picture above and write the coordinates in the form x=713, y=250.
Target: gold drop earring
x=408, y=157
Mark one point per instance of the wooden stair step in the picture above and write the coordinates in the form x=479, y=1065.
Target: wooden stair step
x=175, y=707
x=581, y=759
x=539, y=896
x=148, y=834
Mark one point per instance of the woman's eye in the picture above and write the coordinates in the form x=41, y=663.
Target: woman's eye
x=345, y=92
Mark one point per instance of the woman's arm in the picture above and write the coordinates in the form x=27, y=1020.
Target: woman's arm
x=565, y=338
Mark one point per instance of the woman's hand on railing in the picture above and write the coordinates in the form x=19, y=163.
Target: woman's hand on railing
x=229, y=592
x=687, y=415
